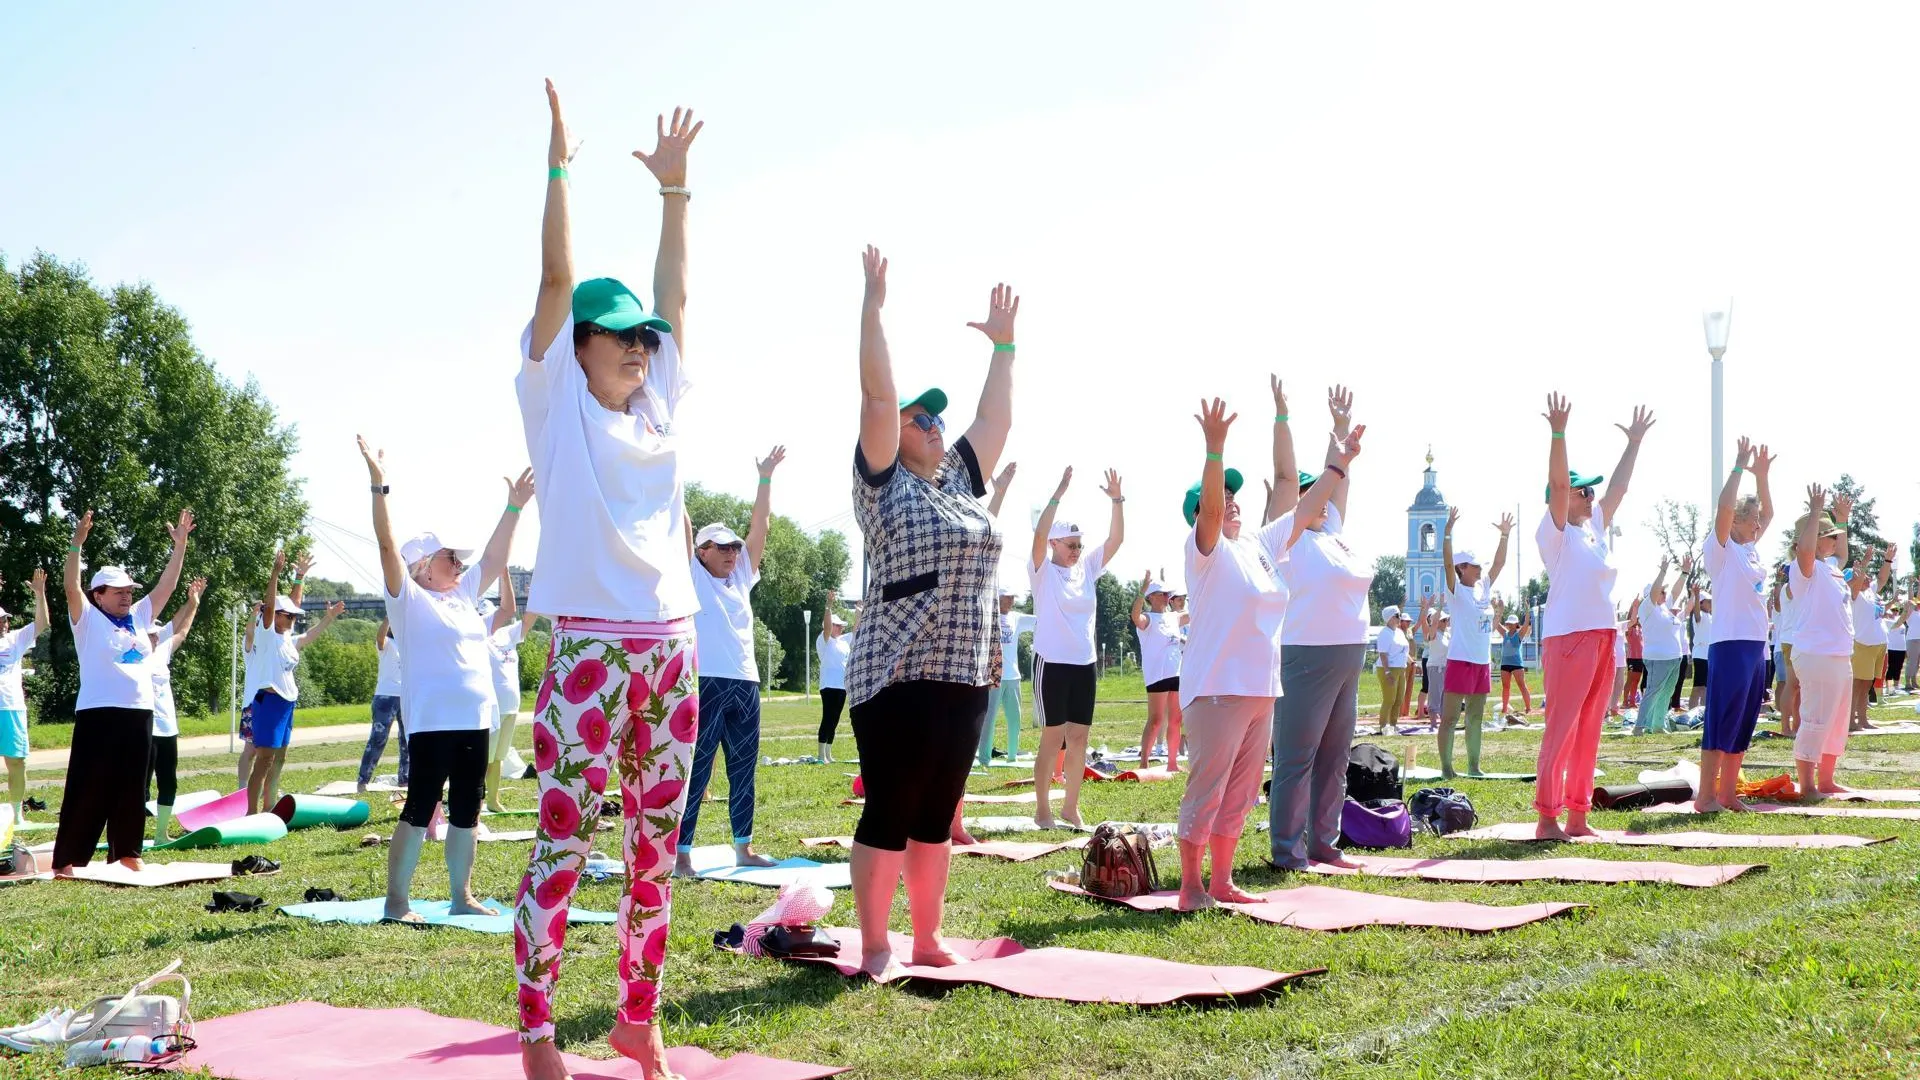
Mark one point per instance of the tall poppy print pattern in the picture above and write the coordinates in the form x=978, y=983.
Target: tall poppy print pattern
x=606, y=702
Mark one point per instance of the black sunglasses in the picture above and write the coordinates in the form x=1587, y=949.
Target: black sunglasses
x=633, y=337
x=734, y=548
x=927, y=422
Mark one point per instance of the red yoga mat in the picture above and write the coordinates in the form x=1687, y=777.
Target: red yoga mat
x=1010, y=850
x=1316, y=907
x=1149, y=775
x=311, y=1041
x=218, y=812
x=1523, y=831
x=1490, y=871
x=1090, y=774
x=1802, y=811
x=1072, y=975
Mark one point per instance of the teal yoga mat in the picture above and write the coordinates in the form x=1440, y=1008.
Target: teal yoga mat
x=306, y=811
x=253, y=829
x=370, y=911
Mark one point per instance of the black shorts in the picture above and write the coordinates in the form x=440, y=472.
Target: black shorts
x=1168, y=685
x=1064, y=692
x=1635, y=663
x=1699, y=671
x=917, y=742
x=457, y=759
x=1512, y=667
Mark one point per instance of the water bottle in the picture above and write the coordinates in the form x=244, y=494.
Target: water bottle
x=108, y=1051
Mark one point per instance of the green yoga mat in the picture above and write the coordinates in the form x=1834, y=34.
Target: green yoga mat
x=306, y=811
x=253, y=829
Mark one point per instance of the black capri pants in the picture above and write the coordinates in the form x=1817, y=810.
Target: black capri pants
x=831, y=702
x=457, y=759
x=106, y=779
x=1064, y=692
x=166, y=769
x=1896, y=663
x=917, y=742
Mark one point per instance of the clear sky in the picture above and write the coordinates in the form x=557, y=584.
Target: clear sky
x=1451, y=208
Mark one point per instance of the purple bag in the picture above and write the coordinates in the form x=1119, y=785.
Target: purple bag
x=1380, y=823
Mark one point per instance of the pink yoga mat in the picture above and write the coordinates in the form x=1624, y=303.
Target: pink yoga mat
x=1074, y=975
x=1487, y=871
x=1146, y=776
x=218, y=812
x=1316, y=907
x=1801, y=811
x=1521, y=830
x=311, y=1041
x=1879, y=795
x=1010, y=850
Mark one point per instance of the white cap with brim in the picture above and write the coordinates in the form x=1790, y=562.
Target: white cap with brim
x=1511, y=620
x=716, y=533
x=1157, y=586
x=836, y=620
x=112, y=577
x=1005, y=591
x=427, y=545
x=1465, y=557
x=1389, y=613
x=288, y=607
x=1062, y=530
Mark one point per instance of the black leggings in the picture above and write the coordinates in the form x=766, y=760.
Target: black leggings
x=457, y=759
x=1896, y=662
x=831, y=702
x=1064, y=692
x=166, y=764
x=106, y=779
x=917, y=741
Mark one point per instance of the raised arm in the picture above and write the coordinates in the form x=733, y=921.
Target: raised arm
x=273, y=589
x=1212, y=514
x=1762, y=468
x=879, y=404
x=554, y=303
x=1730, y=493
x=312, y=635
x=503, y=615
x=1000, y=485
x=1340, y=454
x=253, y=623
x=1045, y=524
x=1285, y=492
x=393, y=571
x=162, y=590
x=493, y=558
x=1886, y=568
x=1807, y=538
x=1446, y=550
x=668, y=164
x=38, y=583
x=1659, y=579
x=994, y=418
x=183, y=619
x=1559, y=491
x=380, y=636
x=1859, y=582
x=1505, y=525
x=302, y=566
x=1117, y=527
x=1623, y=471
x=762, y=506
x=1139, y=617
x=70, y=572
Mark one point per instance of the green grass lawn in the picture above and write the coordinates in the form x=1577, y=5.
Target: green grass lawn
x=1809, y=970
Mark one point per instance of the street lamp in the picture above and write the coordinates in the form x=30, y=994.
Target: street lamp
x=1717, y=323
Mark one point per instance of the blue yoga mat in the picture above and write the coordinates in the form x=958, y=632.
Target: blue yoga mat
x=371, y=911
x=715, y=863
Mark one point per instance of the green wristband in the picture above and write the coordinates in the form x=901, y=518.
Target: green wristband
x=557, y=172
x=766, y=479
x=1737, y=470
x=1559, y=434
x=1280, y=418
x=1003, y=346
x=512, y=509
x=1211, y=456
x=73, y=548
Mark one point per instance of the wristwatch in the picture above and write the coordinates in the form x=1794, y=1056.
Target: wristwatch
x=380, y=489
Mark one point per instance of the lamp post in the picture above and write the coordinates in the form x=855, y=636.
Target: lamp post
x=806, y=643
x=1717, y=323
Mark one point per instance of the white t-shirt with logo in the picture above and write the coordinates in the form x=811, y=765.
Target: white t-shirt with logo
x=446, y=672
x=1012, y=625
x=165, y=723
x=1659, y=632
x=724, y=624
x=503, y=650
x=1739, y=591
x=1327, y=582
x=1391, y=647
x=613, y=540
x=1239, y=604
x=113, y=662
x=14, y=647
x=1159, y=647
x=279, y=655
x=389, y=683
x=1867, y=629
x=1824, y=610
x=1472, y=611
x=1579, y=564
x=833, y=659
x=1063, y=605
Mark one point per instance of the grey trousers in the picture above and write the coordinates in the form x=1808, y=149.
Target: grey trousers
x=1312, y=731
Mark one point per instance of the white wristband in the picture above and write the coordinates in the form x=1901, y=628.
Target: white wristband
x=676, y=191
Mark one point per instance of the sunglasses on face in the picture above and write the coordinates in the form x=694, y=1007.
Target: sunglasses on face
x=731, y=549
x=1070, y=545
x=927, y=422
x=1585, y=492
x=633, y=337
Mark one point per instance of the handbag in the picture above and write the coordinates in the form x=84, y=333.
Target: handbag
x=137, y=1014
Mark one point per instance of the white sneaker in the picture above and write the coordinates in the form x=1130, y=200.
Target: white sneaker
x=47, y=1033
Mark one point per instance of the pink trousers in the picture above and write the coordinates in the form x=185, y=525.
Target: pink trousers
x=1579, y=684
x=1228, y=738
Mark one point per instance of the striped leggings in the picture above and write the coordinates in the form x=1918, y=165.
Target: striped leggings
x=729, y=713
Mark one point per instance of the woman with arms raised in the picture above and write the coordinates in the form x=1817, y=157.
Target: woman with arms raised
x=1737, y=658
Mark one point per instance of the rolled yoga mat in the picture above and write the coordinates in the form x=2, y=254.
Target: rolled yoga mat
x=192, y=800
x=1316, y=907
x=306, y=811
x=223, y=809
x=253, y=829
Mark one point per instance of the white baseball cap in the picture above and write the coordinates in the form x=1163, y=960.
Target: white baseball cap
x=1009, y=591
x=428, y=544
x=1063, y=529
x=281, y=603
x=716, y=533
x=1389, y=613
x=835, y=619
x=1445, y=617
x=1157, y=586
x=112, y=577
x=1511, y=620
x=1465, y=557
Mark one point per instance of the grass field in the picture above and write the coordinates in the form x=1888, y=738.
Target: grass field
x=1809, y=970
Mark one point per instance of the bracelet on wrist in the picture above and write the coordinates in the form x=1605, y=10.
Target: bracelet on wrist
x=766, y=479
x=675, y=189
x=1280, y=418
x=556, y=172
x=512, y=509
x=1211, y=456
x=1335, y=469
x=1053, y=502
x=1003, y=346
x=1559, y=434
x=1119, y=498
x=75, y=548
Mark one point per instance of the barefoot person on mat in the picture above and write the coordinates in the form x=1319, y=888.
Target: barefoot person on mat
x=600, y=380
x=1467, y=679
x=928, y=647
x=1577, y=626
x=1823, y=641
x=1737, y=658
x=1232, y=666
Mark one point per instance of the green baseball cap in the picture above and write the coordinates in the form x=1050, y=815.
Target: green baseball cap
x=1306, y=480
x=934, y=400
x=1191, y=507
x=1575, y=480
x=606, y=302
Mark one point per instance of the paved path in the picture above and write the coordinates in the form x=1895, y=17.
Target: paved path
x=208, y=745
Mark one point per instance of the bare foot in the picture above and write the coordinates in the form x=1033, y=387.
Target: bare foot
x=935, y=954
x=1232, y=894
x=1577, y=826
x=1549, y=829
x=1813, y=796
x=495, y=808
x=642, y=1043
x=1043, y=822
x=744, y=855
x=1073, y=819
x=63, y=871
x=1834, y=788
x=133, y=863
x=542, y=1061
x=960, y=837
x=1706, y=807
x=404, y=914
x=683, y=866
x=1173, y=767
x=879, y=966
x=469, y=905
x=1197, y=900
x=1340, y=861
x=1738, y=807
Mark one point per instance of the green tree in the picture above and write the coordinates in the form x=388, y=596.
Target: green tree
x=334, y=672
x=1389, y=586
x=1113, y=620
x=1677, y=527
x=1863, y=526
x=1534, y=593
x=105, y=404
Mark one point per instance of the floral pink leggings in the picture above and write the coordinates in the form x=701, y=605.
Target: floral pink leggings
x=607, y=696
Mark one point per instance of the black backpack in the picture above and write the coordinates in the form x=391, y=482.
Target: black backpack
x=1443, y=810
x=1372, y=774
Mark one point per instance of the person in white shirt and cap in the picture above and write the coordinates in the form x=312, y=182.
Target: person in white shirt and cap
x=1158, y=630
x=834, y=646
x=1467, y=676
x=1390, y=665
x=14, y=647
x=726, y=567
x=279, y=649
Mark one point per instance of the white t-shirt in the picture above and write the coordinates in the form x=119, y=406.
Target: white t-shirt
x=1659, y=632
x=1159, y=647
x=724, y=624
x=1012, y=625
x=1824, y=611
x=1472, y=611
x=446, y=673
x=14, y=646
x=1739, y=590
x=1786, y=624
x=1867, y=629
x=1391, y=646
x=1896, y=639
x=503, y=651
x=613, y=542
x=1913, y=627
x=389, y=683
x=165, y=724
x=1437, y=649
x=1579, y=565
x=1702, y=632
x=113, y=662
x=1239, y=604
x=833, y=659
x=279, y=655
x=1063, y=603
x=1620, y=646
x=1328, y=583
